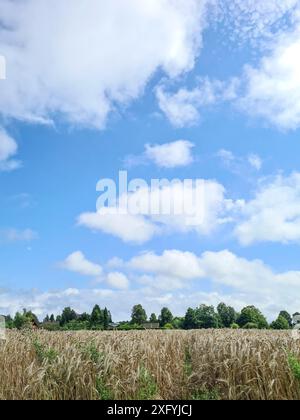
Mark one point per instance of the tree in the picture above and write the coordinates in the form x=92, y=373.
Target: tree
x=252, y=315
x=153, y=318
x=46, y=319
x=68, y=315
x=97, y=316
x=178, y=323
x=190, y=321
x=138, y=315
x=288, y=317
x=9, y=323
x=281, y=323
x=227, y=315
x=83, y=317
x=165, y=317
x=106, y=319
x=52, y=319
x=206, y=317
x=19, y=321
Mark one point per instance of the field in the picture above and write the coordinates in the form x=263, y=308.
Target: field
x=144, y=365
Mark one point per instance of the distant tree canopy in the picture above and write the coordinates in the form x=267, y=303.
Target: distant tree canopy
x=165, y=317
x=252, y=315
x=227, y=315
x=287, y=316
x=281, y=323
x=138, y=315
x=202, y=317
x=153, y=318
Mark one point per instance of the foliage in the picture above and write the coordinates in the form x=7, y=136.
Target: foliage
x=165, y=317
x=138, y=315
x=252, y=315
x=227, y=315
x=294, y=364
x=281, y=323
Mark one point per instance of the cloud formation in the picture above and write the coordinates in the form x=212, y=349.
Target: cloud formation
x=77, y=263
x=59, y=62
x=8, y=149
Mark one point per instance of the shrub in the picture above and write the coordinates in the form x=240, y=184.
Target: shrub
x=250, y=326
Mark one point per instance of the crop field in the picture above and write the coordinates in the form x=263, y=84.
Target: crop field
x=203, y=365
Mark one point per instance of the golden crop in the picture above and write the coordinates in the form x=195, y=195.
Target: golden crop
x=204, y=364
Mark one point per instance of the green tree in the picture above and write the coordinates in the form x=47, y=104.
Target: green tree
x=178, y=323
x=153, y=318
x=97, y=316
x=19, y=321
x=252, y=315
x=281, y=323
x=83, y=317
x=206, y=317
x=227, y=315
x=106, y=319
x=190, y=321
x=68, y=315
x=52, y=319
x=46, y=319
x=288, y=317
x=165, y=317
x=138, y=315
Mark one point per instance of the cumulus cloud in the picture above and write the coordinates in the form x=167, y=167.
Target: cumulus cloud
x=273, y=88
x=167, y=208
x=60, y=63
x=166, y=279
x=274, y=213
x=171, y=155
x=8, y=149
x=167, y=155
x=118, y=280
x=77, y=263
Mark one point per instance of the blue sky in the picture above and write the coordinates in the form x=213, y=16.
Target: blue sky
x=180, y=89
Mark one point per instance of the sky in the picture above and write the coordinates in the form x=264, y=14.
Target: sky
x=163, y=89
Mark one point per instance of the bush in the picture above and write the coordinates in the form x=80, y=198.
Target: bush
x=251, y=326
x=234, y=326
x=168, y=327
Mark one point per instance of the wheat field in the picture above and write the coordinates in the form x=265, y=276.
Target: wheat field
x=203, y=364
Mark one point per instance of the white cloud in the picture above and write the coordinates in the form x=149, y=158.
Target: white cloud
x=274, y=214
x=171, y=155
x=183, y=107
x=255, y=161
x=77, y=263
x=8, y=149
x=273, y=88
x=238, y=164
x=81, y=60
x=129, y=228
x=172, y=263
x=174, y=278
x=252, y=20
x=118, y=280
x=164, y=209
x=15, y=235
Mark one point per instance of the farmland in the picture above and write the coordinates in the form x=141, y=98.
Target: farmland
x=203, y=364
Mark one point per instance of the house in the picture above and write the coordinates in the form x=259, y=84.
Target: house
x=151, y=325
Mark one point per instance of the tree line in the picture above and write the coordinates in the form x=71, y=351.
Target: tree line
x=202, y=317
